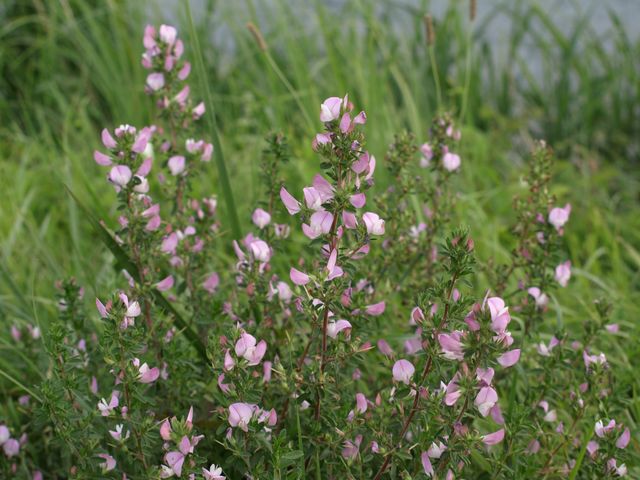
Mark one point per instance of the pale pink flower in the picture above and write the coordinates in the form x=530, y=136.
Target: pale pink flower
x=120, y=175
x=177, y=165
x=451, y=345
x=540, y=298
x=165, y=284
x=334, y=328
x=402, y=371
x=213, y=473
x=450, y=161
x=559, y=216
x=330, y=109
x=426, y=464
x=436, y=449
x=5, y=434
x=563, y=273
x=500, y=317
x=623, y=440
x=351, y=449
x=260, y=251
x=485, y=400
x=168, y=34
x=509, y=358
x=290, y=203
x=211, y=283
x=106, y=408
x=146, y=374
x=175, y=459
x=155, y=81
x=261, y=218
x=117, y=434
x=109, y=462
x=493, y=438
x=601, y=430
x=320, y=223
x=374, y=224
x=107, y=140
x=240, y=415
x=298, y=277
x=251, y=350
x=376, y=309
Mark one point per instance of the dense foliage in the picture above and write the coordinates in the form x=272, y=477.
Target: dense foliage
x=288, y=361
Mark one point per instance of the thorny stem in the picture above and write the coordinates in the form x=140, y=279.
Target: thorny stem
x=425, y=372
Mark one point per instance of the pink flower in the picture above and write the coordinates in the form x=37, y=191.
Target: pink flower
x=374, y=224
x=540, y=298
x=361, y=403
x=175, y=459
x=117, y=433
x=593, y=359
x=402, y=371
x=623, y=440
x=417, y=316
x=141, y=141
x=493, y=438
x=509, y=358
x=485, y=375
x=452, y=391
x=559, y=216
x=323, y=187
x=384, y=348
x=601, y=430
x=213, y=473
x=486, y=399
x=177, y=165
x=109, y=462
x=360, y=119
x=358, y=200
x=427, y=155
x=5, y=434
x=312, y=198
x=107, y=140
x=198, y=110
x=351, y=449
x=168, y=34
x=240, y=415
x=436, y=449
x=102, y=310
x=426, y=464
x=451, y=161
x=101, y=159
x=155, y=81
x=147, y=375
x=165, y=284
x=534, y=447
x=330, y=109
x=376, y=309
x=211, y=283
x=500, y=317
x=320, y=223
x=260, y=218
x=451, y=345
x=290, y=203
x=333, y=270
x=349, y=220
x=247, y=348
x=120, y=175
x=260, y=250
x=106, y=408
x=334, y=328
x=298, y=277
x=563, y=273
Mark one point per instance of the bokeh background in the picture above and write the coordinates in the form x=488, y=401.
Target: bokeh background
x=565, y=71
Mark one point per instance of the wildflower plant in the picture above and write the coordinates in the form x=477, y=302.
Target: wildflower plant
x=249, y=357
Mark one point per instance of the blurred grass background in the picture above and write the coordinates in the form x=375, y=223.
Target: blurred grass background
x=71, y=67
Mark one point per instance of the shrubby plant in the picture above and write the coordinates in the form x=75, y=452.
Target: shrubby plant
x=288, y=362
